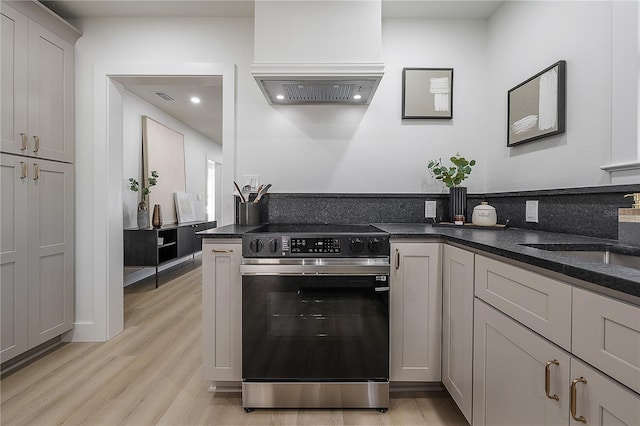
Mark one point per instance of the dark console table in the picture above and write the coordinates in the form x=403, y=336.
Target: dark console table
x=155, y=246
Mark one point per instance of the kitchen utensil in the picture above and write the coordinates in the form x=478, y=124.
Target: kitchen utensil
x=261, y=192
x=246, y=191
x=484, y=215
x=239, y=192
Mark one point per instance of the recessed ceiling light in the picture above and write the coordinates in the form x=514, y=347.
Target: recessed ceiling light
x=279, y=97
x=357, y=96
x=195, y=99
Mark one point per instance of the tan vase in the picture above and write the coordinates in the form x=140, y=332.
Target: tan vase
x=156, y=220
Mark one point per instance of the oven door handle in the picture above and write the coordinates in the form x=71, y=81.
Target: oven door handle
x=315, y=266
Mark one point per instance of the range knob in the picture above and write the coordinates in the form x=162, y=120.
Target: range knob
x=375, y=245
x=274, y=245
x=256, y=245
x=356, y=245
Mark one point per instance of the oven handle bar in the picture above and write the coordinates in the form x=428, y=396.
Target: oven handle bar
x=307, y=266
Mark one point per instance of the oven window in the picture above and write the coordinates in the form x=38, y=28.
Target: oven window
x=314, y=328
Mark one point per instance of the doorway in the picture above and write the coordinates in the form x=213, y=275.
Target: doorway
x=99, y=253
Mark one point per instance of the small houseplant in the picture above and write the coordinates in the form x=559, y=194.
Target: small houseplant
x=143, y=210
x=452, y=176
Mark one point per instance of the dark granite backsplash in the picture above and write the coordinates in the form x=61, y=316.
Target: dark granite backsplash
x=591, y=211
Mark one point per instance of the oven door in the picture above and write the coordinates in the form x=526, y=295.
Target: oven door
x=315, y=325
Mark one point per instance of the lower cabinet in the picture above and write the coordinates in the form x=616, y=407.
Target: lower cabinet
x=415, y=311
x=600, y=400
x=36, y=252
x=221, y=310
x=519, y=378
x=457, y=326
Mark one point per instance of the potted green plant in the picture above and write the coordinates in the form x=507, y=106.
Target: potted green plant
x=452, y=176
x=143, y=209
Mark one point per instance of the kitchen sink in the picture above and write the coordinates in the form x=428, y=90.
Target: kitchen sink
x=609, y=254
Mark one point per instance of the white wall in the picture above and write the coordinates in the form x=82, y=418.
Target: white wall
x=370, y=149
x=524, y=38
x=351, y=148
x=196, y=149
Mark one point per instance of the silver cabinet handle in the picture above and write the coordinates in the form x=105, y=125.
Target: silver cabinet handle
x=24, y=170
x=36, y=139
x=23, y=136
x=36, y=169
x=217, y=251
x=574, y=403
x=547, y=379
x=397, y=259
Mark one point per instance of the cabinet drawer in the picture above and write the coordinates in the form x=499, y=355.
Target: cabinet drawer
x=539, y=302
x=606, y=334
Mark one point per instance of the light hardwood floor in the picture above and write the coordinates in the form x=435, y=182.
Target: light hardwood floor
x=150, y=374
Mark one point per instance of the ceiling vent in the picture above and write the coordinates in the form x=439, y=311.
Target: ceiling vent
x=334, y=58
x=165, y=96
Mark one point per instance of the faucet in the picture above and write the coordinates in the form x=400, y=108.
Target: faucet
x=636, y=200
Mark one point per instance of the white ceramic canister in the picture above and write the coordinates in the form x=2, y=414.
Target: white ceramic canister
x=484, y=215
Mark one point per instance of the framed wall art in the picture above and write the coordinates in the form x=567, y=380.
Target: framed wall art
x=427, y=93
x=536, y=107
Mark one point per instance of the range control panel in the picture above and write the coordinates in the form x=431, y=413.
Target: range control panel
x=259, y=245
x=315, y=245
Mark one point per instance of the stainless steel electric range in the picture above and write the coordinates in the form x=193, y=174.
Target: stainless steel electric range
x=315, y=317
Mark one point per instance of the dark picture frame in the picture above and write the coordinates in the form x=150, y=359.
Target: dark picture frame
x=536, y=108
x=427, y=93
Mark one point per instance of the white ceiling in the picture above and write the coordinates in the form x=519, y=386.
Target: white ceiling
x=206, y=117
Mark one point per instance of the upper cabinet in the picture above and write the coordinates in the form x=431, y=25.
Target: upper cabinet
x=37, y=84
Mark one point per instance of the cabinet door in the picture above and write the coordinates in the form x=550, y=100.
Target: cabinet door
x=606, y=334
x=457, y=326
x=600, y=400
x=50, y=97
x=13, y=256
x=13, y=125
x=186, y=237
x=221, y=310
x=51, y=253
x=415, y=309
x=509, y=373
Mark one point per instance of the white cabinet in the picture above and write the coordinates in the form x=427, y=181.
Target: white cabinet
x=221, y=310
x=513, y=368
x=537, y=301
x=601, y=401
x=457, y=326
x=37, y=89
x=37, y=144
x=415, y=308
x=606, y=334
x=36, y=253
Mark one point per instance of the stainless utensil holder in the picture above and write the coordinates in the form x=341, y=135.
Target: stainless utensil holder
x=249, y=214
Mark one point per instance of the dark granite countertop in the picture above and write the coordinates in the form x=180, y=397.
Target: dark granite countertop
x=616, y=281
x=508, y=243
x=226, y=231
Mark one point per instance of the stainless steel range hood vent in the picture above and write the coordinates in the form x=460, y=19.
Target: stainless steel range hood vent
x=324, y=52
x=329, y=91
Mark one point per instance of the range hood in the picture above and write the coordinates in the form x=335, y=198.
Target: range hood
x=318, y=52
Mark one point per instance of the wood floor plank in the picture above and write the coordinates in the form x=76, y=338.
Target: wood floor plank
x=151, y=374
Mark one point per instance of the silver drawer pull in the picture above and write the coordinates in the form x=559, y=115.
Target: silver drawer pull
x=23, y=147
x=36, y=169
x=37, y=141
x=24, y=170
x=221, y=251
